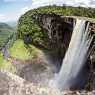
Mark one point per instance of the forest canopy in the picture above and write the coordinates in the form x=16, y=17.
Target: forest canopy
x=27, y=25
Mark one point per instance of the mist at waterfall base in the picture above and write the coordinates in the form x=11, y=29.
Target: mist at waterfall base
x=73, y=73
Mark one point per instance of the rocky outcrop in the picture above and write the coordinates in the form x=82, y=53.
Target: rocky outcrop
x=11, y=84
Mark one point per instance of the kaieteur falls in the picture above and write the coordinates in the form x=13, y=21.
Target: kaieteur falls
x=72, y=74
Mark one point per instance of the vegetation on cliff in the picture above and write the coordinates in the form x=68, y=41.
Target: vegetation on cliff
x=16, y=48
x=5, y=64
x=20, y=51
x=32, y=33
x=28, y=26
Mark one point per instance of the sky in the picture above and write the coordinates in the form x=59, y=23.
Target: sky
x=11, y=10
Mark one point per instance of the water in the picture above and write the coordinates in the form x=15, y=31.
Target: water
x=72, y=73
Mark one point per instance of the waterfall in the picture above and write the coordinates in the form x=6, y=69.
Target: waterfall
x=71, y=75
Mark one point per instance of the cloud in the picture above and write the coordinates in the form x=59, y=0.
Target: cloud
x=13, y=16
x=92, y=2
x=24, y=9
x=15, y=0
x=2, y=17
x=10, y=0
x=38, y=3
x=9, y=17
x=84, y=3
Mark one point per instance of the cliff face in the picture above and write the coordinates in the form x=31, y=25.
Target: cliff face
x=59, y=30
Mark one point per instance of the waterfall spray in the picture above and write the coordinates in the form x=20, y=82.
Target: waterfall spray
x=75, y=58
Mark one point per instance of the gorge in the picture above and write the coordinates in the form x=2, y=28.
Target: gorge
x=73, y=73
x=51, y=51
x=74, y=65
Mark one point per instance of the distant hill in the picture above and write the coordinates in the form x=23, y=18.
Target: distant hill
x=4, y=26
x=13, y=24
x=5, y=33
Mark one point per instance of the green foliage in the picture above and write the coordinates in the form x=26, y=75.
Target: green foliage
x=20, y=51
x=7, y=37
x=5, y=64
x=3, y=38
x=6, y=34
x=27, y=25
x=4, y=26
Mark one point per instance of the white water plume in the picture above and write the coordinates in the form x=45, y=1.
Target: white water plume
x=75, y=58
